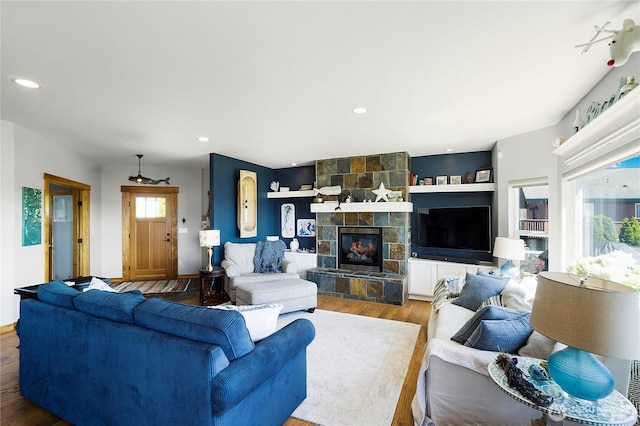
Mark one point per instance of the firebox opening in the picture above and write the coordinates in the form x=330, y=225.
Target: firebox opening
x=360, y=248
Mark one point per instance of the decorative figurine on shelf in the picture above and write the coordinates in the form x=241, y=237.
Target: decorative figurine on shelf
x=623, y=42
x=468, y=178
x=275, y=186
x=294, y=244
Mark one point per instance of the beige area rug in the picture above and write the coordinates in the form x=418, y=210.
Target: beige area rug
x=356, y=366
x=154, y=286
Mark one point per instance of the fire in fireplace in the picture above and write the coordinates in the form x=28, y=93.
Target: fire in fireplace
x=359, y=248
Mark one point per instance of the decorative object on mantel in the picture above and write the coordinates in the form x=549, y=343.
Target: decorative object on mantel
x=306, y=187
x=578, y=123
x=441, y=180
x=631, y=84
x=329, y=190
x=468, y=178
x=624, y=42
x=274, y=186
x=455, y=180
x=381, y=193
x=146, y=180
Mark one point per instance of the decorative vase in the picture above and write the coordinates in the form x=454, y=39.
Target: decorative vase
x=294, y=244
x=578, y=123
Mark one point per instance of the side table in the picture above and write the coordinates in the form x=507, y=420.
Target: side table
x=212, y=280
x=614, y=410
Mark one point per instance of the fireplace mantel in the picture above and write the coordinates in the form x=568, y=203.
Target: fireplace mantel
x=330, y=207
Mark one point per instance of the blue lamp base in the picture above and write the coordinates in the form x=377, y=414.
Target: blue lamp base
x=580, y=374
x=509, y=269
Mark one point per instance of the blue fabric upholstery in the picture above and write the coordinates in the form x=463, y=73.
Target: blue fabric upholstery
x=501, y=335
x=94, y=371
x=57, y=293
x=226, y=329
x=114, y=306
x=269, y=255
x=487, y=313
x=476, y=290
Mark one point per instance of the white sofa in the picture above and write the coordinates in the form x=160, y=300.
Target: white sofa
x=453, y=385
x=239, y=268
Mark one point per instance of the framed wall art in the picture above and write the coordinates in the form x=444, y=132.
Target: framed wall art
x=288, y=220
x=31, y=216
x=441, y=180
x=455, y=180
x=483, y=175
x=306, y=227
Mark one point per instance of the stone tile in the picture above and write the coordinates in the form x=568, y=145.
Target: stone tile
x=327, y=167
x=358, y=164
x=343, y=166
x=388, y=162
x=400, y=219
x=358, y=194
x=380, y=219
x=351, y=219
x=326, y=232
x=323, y=180
x=390, y=266
x=381, y=177
x=337, y=218
x=323, y=219
x=373, y=163
x=329, y=261
x=351, y=181
x=375, y=289
x=365, y=219
x=393, y=292
x=365, y=180
x=358, y=287
x=397, y=251
x=324, y=248
x=398, y=178
x=343, y=285
x=337, y=180
x=390, y=235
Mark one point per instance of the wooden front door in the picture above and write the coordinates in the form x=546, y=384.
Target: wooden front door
x=150, y=244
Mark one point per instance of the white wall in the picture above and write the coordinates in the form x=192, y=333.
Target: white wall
x=25, y=157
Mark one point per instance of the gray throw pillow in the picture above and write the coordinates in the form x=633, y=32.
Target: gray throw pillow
x=476, y=290
x=487, y=313
x=501, y=335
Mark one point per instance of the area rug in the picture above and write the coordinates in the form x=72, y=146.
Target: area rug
x=154, y=286
x=356, y=366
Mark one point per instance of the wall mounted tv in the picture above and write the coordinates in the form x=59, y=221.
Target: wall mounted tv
x=455, y=228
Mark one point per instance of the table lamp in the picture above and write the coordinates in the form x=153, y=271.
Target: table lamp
x=510, y=249
x=589, y=315
x=209, y=238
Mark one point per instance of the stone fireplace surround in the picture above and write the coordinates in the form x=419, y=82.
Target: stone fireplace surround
x=358, y=177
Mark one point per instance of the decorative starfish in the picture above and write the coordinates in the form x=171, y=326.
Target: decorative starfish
x=381, y=193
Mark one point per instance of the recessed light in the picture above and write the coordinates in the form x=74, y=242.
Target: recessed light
x=294, y=164
x=203, y=139
x=448, y=150
x=359, y=110
x=26, y=83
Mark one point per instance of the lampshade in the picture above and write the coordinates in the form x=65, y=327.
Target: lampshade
x=507, y=248
x=589, y=316
x=209, y=238
x=602, y=317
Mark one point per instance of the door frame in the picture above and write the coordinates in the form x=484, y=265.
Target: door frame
x=81, y=228
x=172, y=196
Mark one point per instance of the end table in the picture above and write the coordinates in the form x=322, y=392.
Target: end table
x=212, y=280
x=614, y=410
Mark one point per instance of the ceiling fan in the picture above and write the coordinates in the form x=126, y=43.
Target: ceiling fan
x=146, y=180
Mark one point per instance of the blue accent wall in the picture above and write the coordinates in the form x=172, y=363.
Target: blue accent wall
x=449, y=165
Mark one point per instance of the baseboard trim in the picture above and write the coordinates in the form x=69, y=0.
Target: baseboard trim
x=7, y=328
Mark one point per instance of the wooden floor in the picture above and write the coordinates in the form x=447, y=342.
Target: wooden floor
x=15, y=410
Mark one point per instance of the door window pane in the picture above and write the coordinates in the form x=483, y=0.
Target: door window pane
x=151, y=207
x=533, y=225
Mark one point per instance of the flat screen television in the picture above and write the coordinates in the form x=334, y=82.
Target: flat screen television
x=455, y=228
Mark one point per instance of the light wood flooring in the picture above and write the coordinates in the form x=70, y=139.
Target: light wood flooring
x=15, y=410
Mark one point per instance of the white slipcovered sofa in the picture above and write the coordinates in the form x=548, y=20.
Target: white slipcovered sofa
x=239, y=268
x=454, y=387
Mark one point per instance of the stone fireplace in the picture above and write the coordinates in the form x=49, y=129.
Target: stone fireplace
x=358, y=177
x=359, y=248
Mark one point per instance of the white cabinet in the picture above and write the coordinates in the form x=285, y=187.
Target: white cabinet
x=424, y=274
x=304, y=260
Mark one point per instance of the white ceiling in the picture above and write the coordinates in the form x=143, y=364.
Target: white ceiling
x=275, y=82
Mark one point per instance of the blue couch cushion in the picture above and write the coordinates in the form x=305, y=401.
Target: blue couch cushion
x=57, y=293
x=501, y=335
x=490, y=312
x=226, y=329
x=477, y=289
x=109, y=305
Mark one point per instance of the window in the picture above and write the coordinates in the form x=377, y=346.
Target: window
x=530, y=222
x=608, y=201
x=150, y=207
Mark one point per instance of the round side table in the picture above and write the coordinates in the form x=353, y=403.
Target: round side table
x=212, y=281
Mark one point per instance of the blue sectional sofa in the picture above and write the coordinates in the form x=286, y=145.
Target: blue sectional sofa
x=102, y=358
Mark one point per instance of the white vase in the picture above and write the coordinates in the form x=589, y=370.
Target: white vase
x=294, y=244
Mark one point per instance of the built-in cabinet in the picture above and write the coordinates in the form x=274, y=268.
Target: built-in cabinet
x=304, y=261
x=424, y=274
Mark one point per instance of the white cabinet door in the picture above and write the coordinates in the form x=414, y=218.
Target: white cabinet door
x=304, y=261
x=422, y=278
x=451, y=270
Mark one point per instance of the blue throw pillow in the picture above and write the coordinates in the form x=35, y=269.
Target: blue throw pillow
x=501, y=335
x=226, y=329
x=57, y=293
x=487, y=313
x=476, y=290
x=495, y=277
x=109, y=305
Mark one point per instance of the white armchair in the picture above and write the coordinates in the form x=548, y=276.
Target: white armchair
x=239, y=268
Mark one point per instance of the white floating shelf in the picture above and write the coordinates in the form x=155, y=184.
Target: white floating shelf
x=291, y=194
x=382, y=206
x=466, y=187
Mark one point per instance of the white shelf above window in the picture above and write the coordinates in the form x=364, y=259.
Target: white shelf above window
x=291, y=194
x=467, y=187
x=382, y=206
